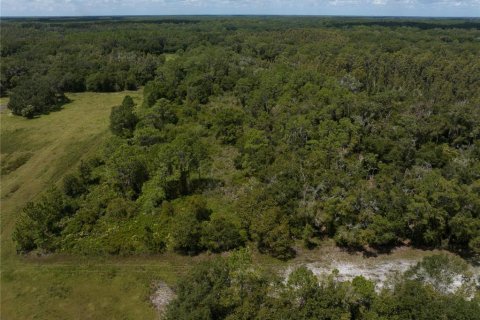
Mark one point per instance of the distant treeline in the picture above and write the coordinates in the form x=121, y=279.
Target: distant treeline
x=424, y=25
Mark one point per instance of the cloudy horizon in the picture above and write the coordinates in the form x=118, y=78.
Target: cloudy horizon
x=425, y=8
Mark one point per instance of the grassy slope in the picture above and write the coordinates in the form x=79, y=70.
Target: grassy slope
x=62, y=287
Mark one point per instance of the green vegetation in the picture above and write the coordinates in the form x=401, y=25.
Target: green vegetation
x=275, y=134
x=66, y=287
x=232, y=288
x=372, y=146
x=35, y=96
x=122, y=118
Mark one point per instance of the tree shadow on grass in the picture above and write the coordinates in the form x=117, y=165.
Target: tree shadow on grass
x=59, y=106
x=55, y=108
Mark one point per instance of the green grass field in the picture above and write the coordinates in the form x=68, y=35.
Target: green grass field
x=35, y=154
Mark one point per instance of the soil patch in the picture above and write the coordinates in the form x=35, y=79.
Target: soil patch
x=161, y=297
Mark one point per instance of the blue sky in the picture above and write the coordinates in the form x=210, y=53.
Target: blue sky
x=448, y=8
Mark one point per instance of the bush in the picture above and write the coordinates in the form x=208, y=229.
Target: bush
x=120, y=208
x=128, y=170
x=350, y=237
x=153, y=193
x=24, y=234
x=442, y=271
x=103, y=82
x=40, y=224
x=307, y=236
x=220, y=234
x=73, y=186
x=474, y=245
x=228, y=124
x=256, y=151
x=272, y=234
x=186, y=224
x=158, y=116
x=28, y=112
x=186, y=233
x=234, y=288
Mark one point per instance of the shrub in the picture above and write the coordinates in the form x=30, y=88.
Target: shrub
x=40, y=224
x=121, y=208
x=272, y=234
x=128, y=170
x=228, y=125
x=220, y=234
x=185, y=233
x=307, y=236
x=73, y=186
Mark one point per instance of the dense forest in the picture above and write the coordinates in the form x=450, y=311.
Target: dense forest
x=274, y=132
x=268, y=135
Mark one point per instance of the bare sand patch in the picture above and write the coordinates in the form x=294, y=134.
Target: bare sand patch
x=161, y=297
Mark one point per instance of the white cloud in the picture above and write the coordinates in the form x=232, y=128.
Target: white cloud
x=152, y=7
